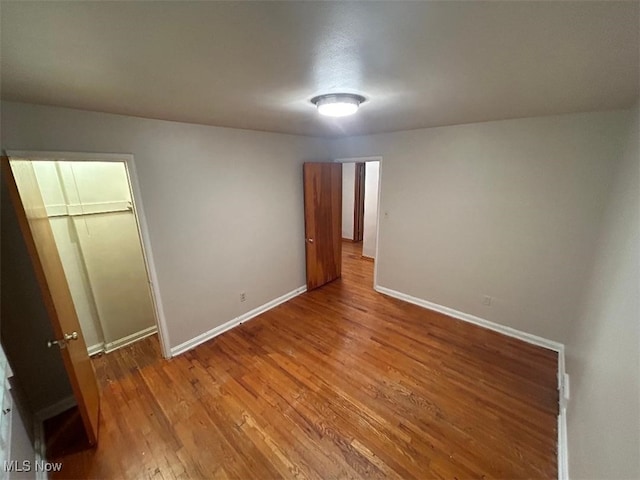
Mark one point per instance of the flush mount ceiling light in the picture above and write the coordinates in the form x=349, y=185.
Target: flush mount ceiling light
x=337, y=104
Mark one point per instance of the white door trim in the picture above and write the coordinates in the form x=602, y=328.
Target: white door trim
x=370, y=159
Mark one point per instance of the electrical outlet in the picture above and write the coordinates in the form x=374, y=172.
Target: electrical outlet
x=243, y=296
x=486, y=300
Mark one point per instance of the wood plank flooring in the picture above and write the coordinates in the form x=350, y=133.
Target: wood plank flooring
x=340, y=382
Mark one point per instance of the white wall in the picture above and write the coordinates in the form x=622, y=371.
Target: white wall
x=372, y=175
x=115, y=266
x=603, y=348
x=348, y=198
x=21, y=447
x=16, y=442
x=224, y=207
x=509, y=209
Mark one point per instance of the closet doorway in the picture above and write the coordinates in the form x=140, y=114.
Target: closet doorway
x=90, y=207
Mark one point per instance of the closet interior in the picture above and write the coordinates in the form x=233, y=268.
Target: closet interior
x=90, y=208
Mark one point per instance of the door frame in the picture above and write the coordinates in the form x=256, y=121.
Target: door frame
x=358, y=202
x=141, y=221
x=364, y=160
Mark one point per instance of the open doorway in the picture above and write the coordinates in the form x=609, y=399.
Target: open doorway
x=353, y=199
x=90, y=207
x=360, y=192
x=327, y=239
x=86, y=241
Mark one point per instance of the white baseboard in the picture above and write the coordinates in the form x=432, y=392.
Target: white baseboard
x=122, y=342
x=496, y=327
x=563, y=455
x=129, y=339
x=214, y=332
x=97, y=348
x=55, y=409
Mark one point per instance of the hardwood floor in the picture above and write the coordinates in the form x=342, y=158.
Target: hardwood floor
x=340, y=382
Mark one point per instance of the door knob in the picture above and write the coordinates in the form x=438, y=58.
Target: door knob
x=71, y=336
x=310, y=240
x=62, y=343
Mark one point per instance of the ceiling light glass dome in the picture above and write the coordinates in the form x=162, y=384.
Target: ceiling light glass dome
x=337, y=104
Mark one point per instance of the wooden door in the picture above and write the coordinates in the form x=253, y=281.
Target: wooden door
x=323, y=222
x=36, y=230
x=358, y=203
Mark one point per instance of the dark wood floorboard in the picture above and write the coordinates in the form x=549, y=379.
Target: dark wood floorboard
x=340, y=382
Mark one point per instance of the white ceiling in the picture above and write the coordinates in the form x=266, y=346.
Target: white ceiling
x=256, y=64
